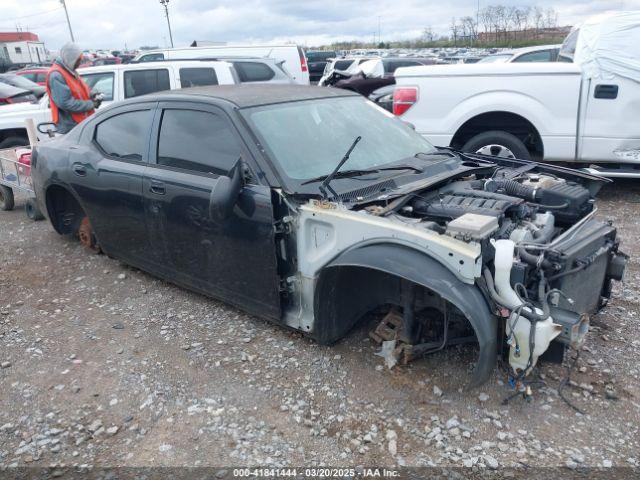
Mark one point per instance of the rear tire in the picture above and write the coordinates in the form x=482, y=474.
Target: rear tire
x=33, y=212
x=498, y=144
x=6, y=198
x=14, y=141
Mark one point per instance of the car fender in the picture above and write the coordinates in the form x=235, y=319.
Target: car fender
x=417, y=267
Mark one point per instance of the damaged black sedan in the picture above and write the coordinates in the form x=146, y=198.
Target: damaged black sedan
x=312, y=207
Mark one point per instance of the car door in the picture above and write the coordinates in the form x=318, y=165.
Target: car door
x=233, y=259
x=106, y=172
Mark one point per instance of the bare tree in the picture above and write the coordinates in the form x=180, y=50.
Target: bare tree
x=428, y=34
x=455, y=29
x=538, y=18
x=469, y=27
x=519, y=18
x=550, y=18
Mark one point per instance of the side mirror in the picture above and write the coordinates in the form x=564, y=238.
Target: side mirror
x=48, y=128
x=225, y=194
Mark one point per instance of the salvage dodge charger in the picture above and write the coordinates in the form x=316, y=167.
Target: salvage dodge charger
x=312, y=207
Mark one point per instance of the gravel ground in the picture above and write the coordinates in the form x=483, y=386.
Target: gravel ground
x=103, y=365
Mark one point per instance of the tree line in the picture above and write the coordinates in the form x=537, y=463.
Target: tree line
x=500, y=23
x=492, y=26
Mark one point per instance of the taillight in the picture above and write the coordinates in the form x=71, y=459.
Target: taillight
x=403, y=99
x=303, y=60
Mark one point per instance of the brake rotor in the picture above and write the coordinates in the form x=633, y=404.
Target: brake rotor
x=87, y=237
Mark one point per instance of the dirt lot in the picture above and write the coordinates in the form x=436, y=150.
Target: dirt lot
x=104, y=365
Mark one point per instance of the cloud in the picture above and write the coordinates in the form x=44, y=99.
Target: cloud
x=99, y=24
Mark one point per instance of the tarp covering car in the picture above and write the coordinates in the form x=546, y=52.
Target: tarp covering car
x=606, y=45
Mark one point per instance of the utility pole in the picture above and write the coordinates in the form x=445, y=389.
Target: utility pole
x=64, y=5
x=379, y=40
x=165, y=4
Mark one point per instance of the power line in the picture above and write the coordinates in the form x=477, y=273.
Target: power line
x=32, y=15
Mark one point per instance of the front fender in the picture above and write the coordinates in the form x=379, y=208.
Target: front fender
x=335, y=315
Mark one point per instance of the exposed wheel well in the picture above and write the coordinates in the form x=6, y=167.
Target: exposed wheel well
x=505, y=121
x=352, y=292
x=65, y=212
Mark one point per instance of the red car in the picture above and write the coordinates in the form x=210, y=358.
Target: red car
x=10, y=94
x=37, y=75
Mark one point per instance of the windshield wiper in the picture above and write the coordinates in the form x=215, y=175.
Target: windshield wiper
x=324, y=186
x=342, y=174
x=364, y=171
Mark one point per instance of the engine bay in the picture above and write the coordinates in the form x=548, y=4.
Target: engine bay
x=547, y=263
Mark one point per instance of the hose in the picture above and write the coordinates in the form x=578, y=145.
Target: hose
x=512, y=188
x=529, y=314
x=534, y=260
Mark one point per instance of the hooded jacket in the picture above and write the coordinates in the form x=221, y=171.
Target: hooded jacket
x=61, y=94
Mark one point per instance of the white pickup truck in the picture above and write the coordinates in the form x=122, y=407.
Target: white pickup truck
x=584, y=113
x=119, y=82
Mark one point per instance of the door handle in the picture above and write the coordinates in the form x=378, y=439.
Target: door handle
x=157, y=187
x=609, y=92
x=79, y=169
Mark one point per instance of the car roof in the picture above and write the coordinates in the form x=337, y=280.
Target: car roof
x=247, y=95
x=144, y=65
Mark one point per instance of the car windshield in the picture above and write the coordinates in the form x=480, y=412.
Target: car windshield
x=307, y=139
x=496, y=58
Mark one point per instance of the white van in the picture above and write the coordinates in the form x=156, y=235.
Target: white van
x=292, y=56
x=122, y=81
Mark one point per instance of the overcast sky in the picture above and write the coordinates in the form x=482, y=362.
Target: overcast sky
x=112, y=23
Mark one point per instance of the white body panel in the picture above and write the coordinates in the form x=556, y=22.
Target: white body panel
x=289, y=54
x=609, y=125
x=554, y=97
x=546, y=94
x=324, y=230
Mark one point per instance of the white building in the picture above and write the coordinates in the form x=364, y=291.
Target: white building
x=22, y=48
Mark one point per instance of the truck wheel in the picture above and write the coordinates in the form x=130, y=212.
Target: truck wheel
x=33, y=212
x=6, y=198
x=14, y=142
x=497, y=144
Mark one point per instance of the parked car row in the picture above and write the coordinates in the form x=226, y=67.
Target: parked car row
x=123, y=81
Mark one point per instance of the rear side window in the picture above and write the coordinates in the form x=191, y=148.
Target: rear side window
x=40, y=77
x=100, y=82
x=541, y=56
x=342, y=64
x=253, y=72
x=126, y=135
x=392, y=65
x=568, y=49
x=197, y=141
x=30, y=76
x=151, y=57
x=141, y=82
x=194, y=77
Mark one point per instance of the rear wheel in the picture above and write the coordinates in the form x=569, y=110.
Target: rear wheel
x=33, y=212
x=6, y=198
x=497, y=144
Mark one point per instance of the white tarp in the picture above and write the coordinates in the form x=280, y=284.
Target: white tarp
x=609, y=45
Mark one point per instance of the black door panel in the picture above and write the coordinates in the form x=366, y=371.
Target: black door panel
x=233, y=259
x=107, y=175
